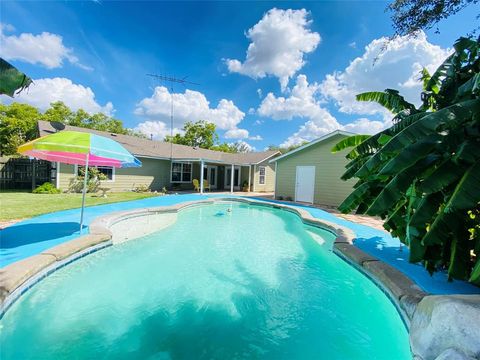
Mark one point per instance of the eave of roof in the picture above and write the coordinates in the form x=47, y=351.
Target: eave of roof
x=311, y=143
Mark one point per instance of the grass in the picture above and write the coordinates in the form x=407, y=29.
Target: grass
x=21, y=205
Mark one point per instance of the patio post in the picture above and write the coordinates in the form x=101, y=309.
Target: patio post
x=85, y=177
x=231, y=179
x=249, y=176
x=202, y=164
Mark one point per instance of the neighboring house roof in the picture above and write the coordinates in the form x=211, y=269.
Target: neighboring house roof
x=162, y=150
x=313, y=142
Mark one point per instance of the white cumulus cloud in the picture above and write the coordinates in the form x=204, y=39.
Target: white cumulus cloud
x=383, y=65
x=189, y=106
x=304, y=102
x=395, y=64
x=278, y=44
x=365, y=126
x=45, y=91
x=236, y=134
x=46, y=49
x=155, y=129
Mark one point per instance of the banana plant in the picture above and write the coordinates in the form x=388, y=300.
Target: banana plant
x=422, y=174
x=12, y=81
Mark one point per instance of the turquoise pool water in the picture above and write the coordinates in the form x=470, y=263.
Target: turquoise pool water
x=251, y=283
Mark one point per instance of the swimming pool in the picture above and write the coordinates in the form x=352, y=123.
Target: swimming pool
x=253, y=282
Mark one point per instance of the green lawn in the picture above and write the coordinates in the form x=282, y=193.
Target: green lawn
x=21, y=205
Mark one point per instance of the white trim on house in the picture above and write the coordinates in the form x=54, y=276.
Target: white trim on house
x=181, y=172
x=275, y=183
x=57, y=176
x=75, y=172
x=313, y=142
x=268, y=157
x=227, y=179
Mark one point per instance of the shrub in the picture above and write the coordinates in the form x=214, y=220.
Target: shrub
x=93, y=181
x=46, y=188
x=141, y=188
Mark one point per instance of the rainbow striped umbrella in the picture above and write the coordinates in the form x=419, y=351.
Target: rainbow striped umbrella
x=80, y=148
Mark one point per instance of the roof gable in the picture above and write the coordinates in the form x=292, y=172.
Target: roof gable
x=314, y=142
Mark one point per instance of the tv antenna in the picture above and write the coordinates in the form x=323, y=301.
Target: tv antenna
x=171, y=80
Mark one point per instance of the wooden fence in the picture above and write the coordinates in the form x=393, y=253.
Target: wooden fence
x=23, y=173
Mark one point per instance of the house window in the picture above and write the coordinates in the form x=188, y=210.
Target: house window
x=181, y=172
x=108, y=171
x=262, y=174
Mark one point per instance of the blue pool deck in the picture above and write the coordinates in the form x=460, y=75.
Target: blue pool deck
x=32, y=236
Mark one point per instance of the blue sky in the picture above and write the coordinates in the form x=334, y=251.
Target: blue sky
x=307, y=60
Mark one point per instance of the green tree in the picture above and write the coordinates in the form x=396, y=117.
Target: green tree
x=410, y=16
x=18, y=124
x=197, y=134
x=285, y=150
x=59, y=112
x=224, y=147
x=422, y=175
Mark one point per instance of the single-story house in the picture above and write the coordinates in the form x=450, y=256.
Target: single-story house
x=174, y=166
x=311, y=173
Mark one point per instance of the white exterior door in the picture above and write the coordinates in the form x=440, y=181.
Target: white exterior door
x=305, y=183
x=236, y=177
x=210, y=174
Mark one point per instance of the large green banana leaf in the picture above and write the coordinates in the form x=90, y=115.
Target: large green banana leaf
x=11, y=80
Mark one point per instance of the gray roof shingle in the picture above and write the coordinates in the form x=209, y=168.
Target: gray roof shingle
x=163, y=150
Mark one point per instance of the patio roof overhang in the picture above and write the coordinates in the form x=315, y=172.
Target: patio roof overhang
x=222, y=162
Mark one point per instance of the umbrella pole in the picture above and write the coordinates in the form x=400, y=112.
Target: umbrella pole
x=84, y=192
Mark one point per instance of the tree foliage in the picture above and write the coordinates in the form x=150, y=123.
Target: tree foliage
x=203, y=134
x=18, y=123
x=284, y=150
x=422, y=175
x=410, y=16
x=197, y=134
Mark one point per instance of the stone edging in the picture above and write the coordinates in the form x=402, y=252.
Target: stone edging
x=18, y=277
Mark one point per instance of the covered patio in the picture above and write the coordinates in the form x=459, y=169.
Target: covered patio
x=219, y=172
x=216, y=176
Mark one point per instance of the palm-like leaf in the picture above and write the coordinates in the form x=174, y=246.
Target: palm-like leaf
x=11, y=80
x=389, y=99
x=349, y=142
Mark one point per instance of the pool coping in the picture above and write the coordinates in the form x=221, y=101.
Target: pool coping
x=20, y=276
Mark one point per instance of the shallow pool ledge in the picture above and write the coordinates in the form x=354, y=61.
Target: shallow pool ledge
x=20, y=276
x=421, y=312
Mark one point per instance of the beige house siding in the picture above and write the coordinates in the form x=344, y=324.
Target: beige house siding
x=269, y=185
x=153, y=173
x=329, y=188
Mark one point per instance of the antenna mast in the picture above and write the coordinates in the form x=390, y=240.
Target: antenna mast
x=172, y=80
